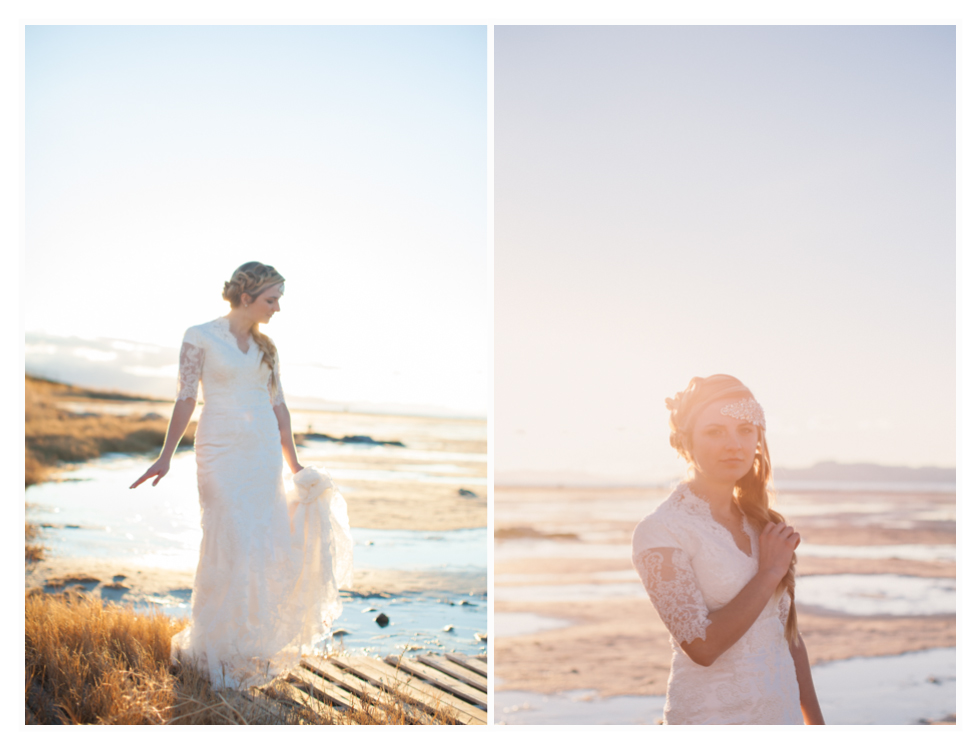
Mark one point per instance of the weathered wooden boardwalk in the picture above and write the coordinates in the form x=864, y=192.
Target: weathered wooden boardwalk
x=419, y=689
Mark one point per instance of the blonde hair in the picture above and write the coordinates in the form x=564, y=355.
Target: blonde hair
x=253, y=279
x=753, y=492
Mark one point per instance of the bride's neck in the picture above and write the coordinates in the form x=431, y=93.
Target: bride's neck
x=719, y=495
x=240, y=324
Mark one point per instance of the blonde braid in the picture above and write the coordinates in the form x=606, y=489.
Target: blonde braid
x=253, y=279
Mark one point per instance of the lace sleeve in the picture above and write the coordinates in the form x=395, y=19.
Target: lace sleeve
x=785, y=601
x=190, y=370
x=669, y=580
x=274, y=387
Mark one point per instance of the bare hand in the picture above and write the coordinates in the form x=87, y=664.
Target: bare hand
x=775, y=547
x=296, y=470
x=157, y=470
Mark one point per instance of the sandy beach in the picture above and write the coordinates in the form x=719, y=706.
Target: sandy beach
x=573, y=544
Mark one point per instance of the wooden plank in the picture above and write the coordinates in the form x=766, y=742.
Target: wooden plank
x=472, y=663
x=345, y=680
x=334, y=694
x=432, y=698
x=429, y=696
x=381, y=698
x=457, y=671
x=481, y=657
x=440, y=680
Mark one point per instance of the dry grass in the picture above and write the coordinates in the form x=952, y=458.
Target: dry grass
x=53, y=435
x=32, y=552
x=88, y=662
x=91, y=662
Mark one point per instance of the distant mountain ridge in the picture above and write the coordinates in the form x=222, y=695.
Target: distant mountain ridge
x=833, y=471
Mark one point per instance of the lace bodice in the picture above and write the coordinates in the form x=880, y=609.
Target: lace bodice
x=691, y=566
x=210, y=354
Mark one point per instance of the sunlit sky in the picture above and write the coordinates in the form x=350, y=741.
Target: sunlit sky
x=353, y=159
x=776, y=203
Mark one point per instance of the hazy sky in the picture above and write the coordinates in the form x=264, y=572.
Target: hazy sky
x=353, y=159
x=776, y=203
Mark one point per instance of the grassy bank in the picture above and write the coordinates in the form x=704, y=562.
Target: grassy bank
x=89, y=662
x=54, y=435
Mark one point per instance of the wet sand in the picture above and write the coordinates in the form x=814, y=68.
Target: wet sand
x=619, y=646
x=124, y=583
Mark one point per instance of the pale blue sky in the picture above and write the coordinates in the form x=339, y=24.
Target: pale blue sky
x=772, y=202
x=353, y=159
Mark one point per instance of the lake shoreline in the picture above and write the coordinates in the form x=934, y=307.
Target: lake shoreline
x=557, y=549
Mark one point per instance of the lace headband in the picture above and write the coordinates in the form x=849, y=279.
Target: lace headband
x=747, y=410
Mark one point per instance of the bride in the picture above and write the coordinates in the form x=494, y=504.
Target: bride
x=271, y=563
x=719, y=566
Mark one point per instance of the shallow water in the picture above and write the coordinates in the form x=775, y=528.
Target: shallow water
x=922, y=552
x=415, y=622
x=511, y=624
x=878, y=594
x=512, y=549
x=579, y=592
x=876, y=690
x=848, y=594
x=95, y=514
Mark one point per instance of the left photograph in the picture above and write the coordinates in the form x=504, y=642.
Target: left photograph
x=257, y=374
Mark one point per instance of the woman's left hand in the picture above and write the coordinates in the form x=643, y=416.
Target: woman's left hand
x=296, y=468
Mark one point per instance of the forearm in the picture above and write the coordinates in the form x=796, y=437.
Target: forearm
x=287, y=438
x=811, y=712
x=182, y=413
x=732, y=621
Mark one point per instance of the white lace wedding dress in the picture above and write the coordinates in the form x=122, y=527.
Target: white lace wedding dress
x=691, y=566
x=271, y=563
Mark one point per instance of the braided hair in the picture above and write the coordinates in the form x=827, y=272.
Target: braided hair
x=253, y=279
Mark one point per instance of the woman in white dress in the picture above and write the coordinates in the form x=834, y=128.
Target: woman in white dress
x=271, y=564
x=719, y=566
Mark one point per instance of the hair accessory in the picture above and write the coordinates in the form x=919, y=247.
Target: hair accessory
x=747, y=410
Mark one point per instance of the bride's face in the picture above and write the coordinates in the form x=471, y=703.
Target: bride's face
x=723, y=447
x=267, y=303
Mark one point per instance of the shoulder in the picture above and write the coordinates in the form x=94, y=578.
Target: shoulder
x=199, y=334
x=664, y=527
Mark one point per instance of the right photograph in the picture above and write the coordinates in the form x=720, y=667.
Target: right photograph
x=724, y=414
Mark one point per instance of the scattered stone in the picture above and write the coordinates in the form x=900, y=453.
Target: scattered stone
x=481, y=636
x=115, y=587
x=466, y=493
x=119, y=577
x=339, y=633
x=448, y=629
x=381, y=620
x=369, y=609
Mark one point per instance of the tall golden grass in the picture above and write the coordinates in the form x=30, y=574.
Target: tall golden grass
x=92, y=662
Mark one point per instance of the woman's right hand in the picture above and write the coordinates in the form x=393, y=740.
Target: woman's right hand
x=775, y=547
x=157, y=470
